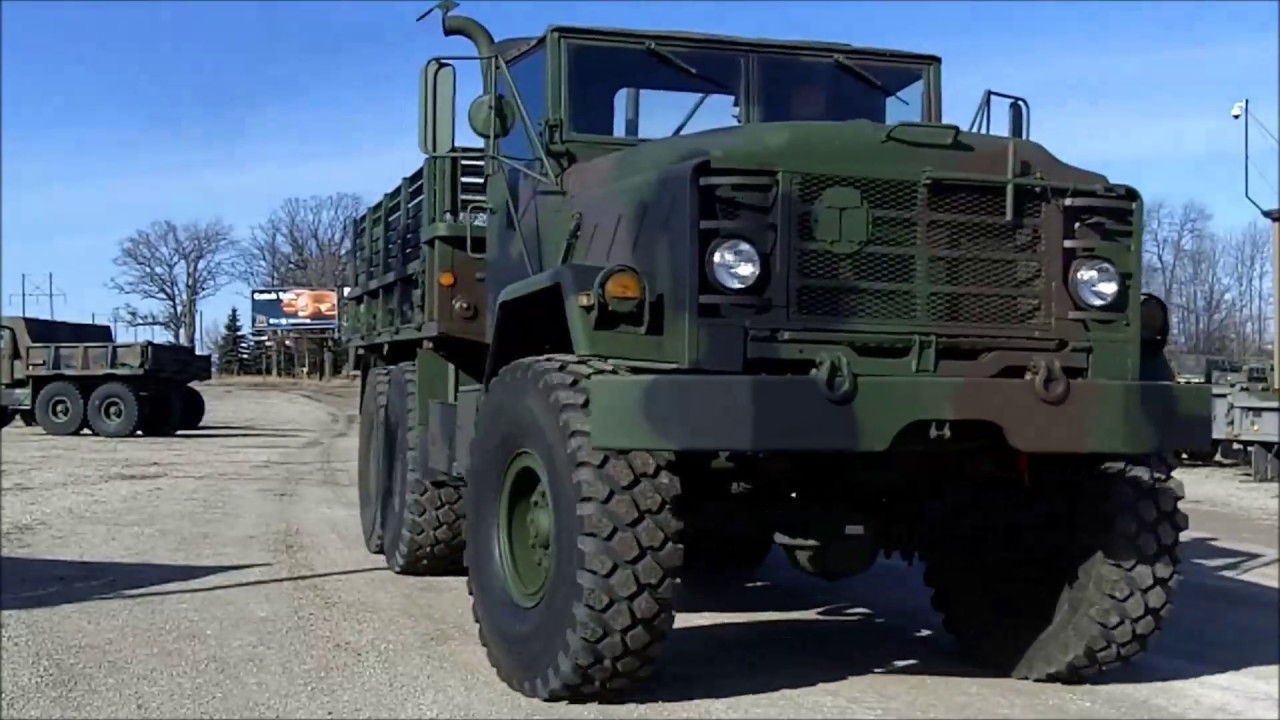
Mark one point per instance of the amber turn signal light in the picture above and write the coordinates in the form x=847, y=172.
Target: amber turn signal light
x=622, y=285
x=447, y=279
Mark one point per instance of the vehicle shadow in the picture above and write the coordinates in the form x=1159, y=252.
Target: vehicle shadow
x=201, y=435
x=28, y=583
x=881, y=622
x=31, y=583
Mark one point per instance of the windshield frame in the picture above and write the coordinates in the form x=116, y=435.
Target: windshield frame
x=564, y=39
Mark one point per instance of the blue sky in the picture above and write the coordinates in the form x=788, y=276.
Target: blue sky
x=115, y=114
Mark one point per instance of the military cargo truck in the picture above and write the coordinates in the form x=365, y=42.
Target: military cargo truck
x=597, y=362
x=68, y=376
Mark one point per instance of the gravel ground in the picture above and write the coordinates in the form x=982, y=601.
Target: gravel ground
x=221, y=574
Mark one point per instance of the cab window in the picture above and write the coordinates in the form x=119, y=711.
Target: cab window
x=707, y=86
x=529, y=73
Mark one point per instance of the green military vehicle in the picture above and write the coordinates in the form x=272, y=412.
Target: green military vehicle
x=68, y=376
x=598, y=363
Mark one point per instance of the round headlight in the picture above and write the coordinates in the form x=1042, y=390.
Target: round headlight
x=734, y=264
x=1096, y=282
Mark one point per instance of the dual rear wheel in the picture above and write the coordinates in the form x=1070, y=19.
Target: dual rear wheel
x=118, y=409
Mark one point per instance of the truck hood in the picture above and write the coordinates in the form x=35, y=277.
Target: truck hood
x=836, y=148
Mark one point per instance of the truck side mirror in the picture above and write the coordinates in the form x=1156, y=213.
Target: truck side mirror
x=437, y=93
x=1017, y=123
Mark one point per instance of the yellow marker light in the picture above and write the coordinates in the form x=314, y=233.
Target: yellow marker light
x=447, y=279
x=622, y=285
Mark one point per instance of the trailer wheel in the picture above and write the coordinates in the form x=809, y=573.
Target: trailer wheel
x=192, y=408
x=161, y=413
x=572, y=553
x=60, y=408
x=113, y=410
x=422, y=514
x=371, y=464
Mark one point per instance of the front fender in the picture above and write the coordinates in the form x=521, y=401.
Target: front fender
x=540, y=314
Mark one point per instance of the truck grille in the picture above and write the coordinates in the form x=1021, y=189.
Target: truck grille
x=932, y=254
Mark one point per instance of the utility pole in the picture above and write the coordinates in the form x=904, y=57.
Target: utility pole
x=1241, y=110
x=35, y=291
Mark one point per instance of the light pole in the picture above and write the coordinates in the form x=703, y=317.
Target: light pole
x=1241, y=110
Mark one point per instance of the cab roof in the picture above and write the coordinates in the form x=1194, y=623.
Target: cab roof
x=513, y=47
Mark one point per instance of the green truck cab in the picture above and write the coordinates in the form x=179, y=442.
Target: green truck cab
x=67, y=376
x=598, y=365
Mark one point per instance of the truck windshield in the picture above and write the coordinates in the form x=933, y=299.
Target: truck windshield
x=686, y=90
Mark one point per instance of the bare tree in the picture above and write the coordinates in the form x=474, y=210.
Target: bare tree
x=176, y=267
x=211, y=335
x=302, y=243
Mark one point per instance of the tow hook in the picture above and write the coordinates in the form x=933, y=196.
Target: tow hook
x=1048, y=380
x=836, y=377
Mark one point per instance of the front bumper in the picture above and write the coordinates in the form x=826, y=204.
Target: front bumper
x=778, y=414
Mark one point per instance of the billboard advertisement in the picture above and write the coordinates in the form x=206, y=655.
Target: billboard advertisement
x=293, y=309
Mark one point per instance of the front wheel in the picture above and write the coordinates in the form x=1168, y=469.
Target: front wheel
x=572, y=552
x=1065, y=585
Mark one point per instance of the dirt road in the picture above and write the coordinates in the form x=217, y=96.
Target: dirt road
x=222, y=574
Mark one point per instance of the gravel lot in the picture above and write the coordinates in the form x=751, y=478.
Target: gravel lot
x=222, y=574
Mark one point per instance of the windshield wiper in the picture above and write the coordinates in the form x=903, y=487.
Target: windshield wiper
x=671, y=59
x=846, y=64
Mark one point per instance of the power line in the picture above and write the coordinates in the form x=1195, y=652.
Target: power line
x=36, y=291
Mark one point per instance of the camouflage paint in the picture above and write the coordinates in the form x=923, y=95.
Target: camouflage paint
x=710, y=370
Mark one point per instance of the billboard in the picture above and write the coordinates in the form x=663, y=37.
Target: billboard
x=293, y=309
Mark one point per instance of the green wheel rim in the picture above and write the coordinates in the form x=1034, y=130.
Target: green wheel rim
x=526, y=529
x=113, y=410
x=60, y=409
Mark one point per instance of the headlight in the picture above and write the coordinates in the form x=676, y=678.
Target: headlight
x=1095, y=282
x=734, y=264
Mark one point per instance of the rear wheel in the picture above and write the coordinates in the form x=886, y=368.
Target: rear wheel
x=192, y=407
x=371, y=465
x=422, y=513
x=161, y=413
x=60, y=408
x=113, y=410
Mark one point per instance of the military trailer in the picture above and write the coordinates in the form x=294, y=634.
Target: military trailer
x=68, y=376
x=1246, y=421
x=598, y=363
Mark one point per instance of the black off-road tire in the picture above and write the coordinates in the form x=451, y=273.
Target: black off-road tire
x=1109, y=596
x=192, y=408
x=6, y=417
x=161, y=413
x=371, y=466
x=422, y=511
x=130, y=414
x=616, y=555
x=74, y=422
x=28, y=418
